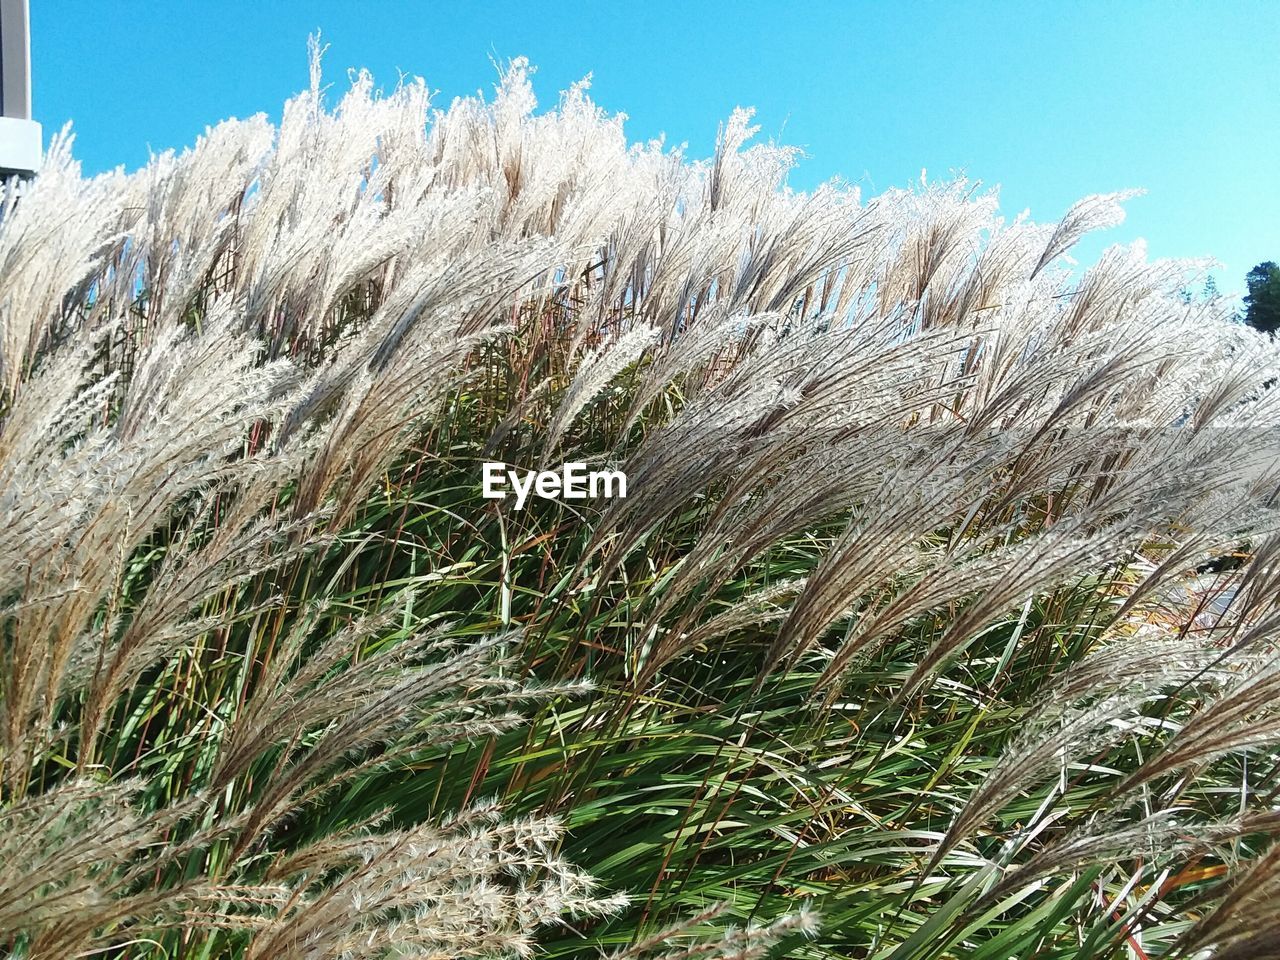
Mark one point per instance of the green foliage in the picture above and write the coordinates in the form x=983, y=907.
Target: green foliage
x=1262, y=302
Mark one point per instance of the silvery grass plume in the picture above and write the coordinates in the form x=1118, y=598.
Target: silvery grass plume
x=240, y=386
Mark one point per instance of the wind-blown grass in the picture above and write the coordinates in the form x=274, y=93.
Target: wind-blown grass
x=904, y=644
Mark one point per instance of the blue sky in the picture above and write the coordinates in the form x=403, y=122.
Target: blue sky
x=1048, y=101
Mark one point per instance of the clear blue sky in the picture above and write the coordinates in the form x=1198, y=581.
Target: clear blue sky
x=1051, y=101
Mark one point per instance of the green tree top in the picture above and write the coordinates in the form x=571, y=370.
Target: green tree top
x=1262, y=304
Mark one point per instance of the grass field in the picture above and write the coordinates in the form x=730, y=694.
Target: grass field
x=939, y=619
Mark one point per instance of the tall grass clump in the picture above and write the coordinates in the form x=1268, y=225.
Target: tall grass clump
x=939, y=621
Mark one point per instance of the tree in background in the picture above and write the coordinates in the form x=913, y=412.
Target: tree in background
x=1208, y=293
x=1262, y=303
